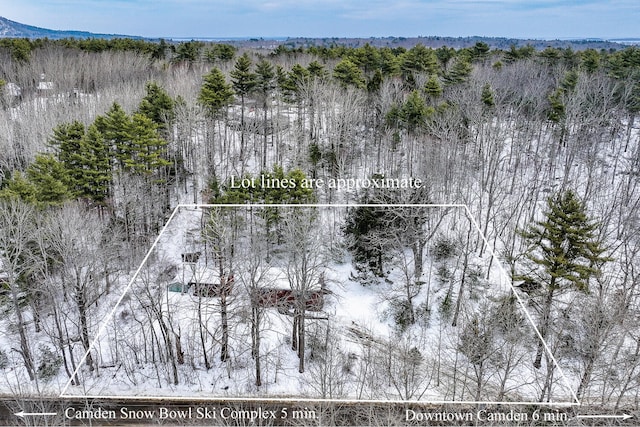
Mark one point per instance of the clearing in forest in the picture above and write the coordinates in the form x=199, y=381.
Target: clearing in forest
x=354, y=302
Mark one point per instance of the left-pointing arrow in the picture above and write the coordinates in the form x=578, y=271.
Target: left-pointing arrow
x=23, y=414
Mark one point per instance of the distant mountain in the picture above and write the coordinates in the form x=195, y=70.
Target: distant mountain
x=9, y=28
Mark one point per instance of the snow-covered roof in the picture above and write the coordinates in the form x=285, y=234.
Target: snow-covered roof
x=202, y=275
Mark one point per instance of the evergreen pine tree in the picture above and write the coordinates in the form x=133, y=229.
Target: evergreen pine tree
x=18, y=187
x=265, y=77
x=367, y=58
x=97, y=177
x=375, y=82
x=590, y=60
x=414, y=112
x=115, y=127
x=158, y=106
x=551, y=56
x=460, y=70
x=86, y=157
x=188, y=51
x=220, y=52
x=512, y=55
x=432, y=87
x=444, y=55
x=242, y=78
x=317, y=70
x=244, y=81
x=564, y=252
x=215, y=93
x=487, y=96
x=67, y=139
x=416, y=60
x=389, y=63
x=556, y=110
x=364, y=224
x=348, y=74
x=292, y=84
x=569, y=81
x=147, y=148
x=479, y=51
x=51, y=180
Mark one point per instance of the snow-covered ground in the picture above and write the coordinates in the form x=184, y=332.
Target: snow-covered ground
x=354, y=349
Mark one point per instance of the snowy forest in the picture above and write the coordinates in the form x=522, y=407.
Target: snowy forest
x=509, y=274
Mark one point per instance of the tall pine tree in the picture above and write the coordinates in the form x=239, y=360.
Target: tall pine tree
x=563, y=253
x=115, y=126
x=158, y=106
x=96, y=172
x=86, y=157
x=348, y=74
x=67, y=140
x=147, y=148
x=244, y=81
x=215, y=93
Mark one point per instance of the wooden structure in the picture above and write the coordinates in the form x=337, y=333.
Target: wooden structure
x=210, y=290
x=286, y=299
x=191, y=257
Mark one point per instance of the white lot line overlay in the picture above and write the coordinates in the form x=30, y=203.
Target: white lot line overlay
x=505, y=276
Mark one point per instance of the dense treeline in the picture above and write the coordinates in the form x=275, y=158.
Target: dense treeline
x=111, y=135
x=20, y=50
x=367, y=56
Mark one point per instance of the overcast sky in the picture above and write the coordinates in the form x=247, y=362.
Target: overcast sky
x=547, y=19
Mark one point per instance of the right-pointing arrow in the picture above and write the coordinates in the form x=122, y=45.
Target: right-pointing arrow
x=621, y=417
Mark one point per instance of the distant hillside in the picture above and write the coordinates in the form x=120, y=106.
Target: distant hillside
x=455, y=42
x=428, y=41
x=9, y=28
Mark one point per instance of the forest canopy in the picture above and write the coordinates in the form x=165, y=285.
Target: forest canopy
x=491, y=207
